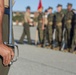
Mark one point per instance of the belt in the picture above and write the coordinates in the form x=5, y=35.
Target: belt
x=59, y=24
x=69, y=21
x=50, y=23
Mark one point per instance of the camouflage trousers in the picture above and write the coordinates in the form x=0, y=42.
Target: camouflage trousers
x=40, y=33
x=50, y=34
x=45, y=34
x=67, y=34
x=58, y=35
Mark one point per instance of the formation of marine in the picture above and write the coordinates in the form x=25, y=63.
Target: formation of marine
x=54, y=30
x=57, y=29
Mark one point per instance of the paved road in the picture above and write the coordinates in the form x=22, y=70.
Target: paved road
x=39, y=61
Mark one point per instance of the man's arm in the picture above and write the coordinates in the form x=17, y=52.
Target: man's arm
x=5, y=52
x=1, y=18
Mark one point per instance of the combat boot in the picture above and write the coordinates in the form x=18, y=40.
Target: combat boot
x=66, y=50
x=40, y=45
x=74, y=52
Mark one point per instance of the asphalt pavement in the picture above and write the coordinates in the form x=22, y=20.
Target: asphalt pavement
x=41, y=61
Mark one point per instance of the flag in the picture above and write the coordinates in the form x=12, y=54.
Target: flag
x=40, y=4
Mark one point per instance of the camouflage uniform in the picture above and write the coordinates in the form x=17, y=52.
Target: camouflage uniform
x=58, y=20
x=4, y=70
x=50, y=27
x=74, y=35
x=68, y=26
x=40, y=31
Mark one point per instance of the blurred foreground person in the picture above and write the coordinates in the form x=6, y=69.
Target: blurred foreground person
x=26, y=30
x=6, y=53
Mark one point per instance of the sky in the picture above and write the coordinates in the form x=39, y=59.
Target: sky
x=20, y=5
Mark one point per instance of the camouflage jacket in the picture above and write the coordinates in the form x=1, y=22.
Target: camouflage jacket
x=35, y=19
x=59, y=17
x=50, y=18
x=68, y=17
x=40, y=17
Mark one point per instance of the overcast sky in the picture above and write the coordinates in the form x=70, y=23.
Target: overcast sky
x=20, y=5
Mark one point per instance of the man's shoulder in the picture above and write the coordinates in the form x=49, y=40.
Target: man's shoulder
x=50, y=15
x=41, y=14
x=26, y=14
x=62, y=13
